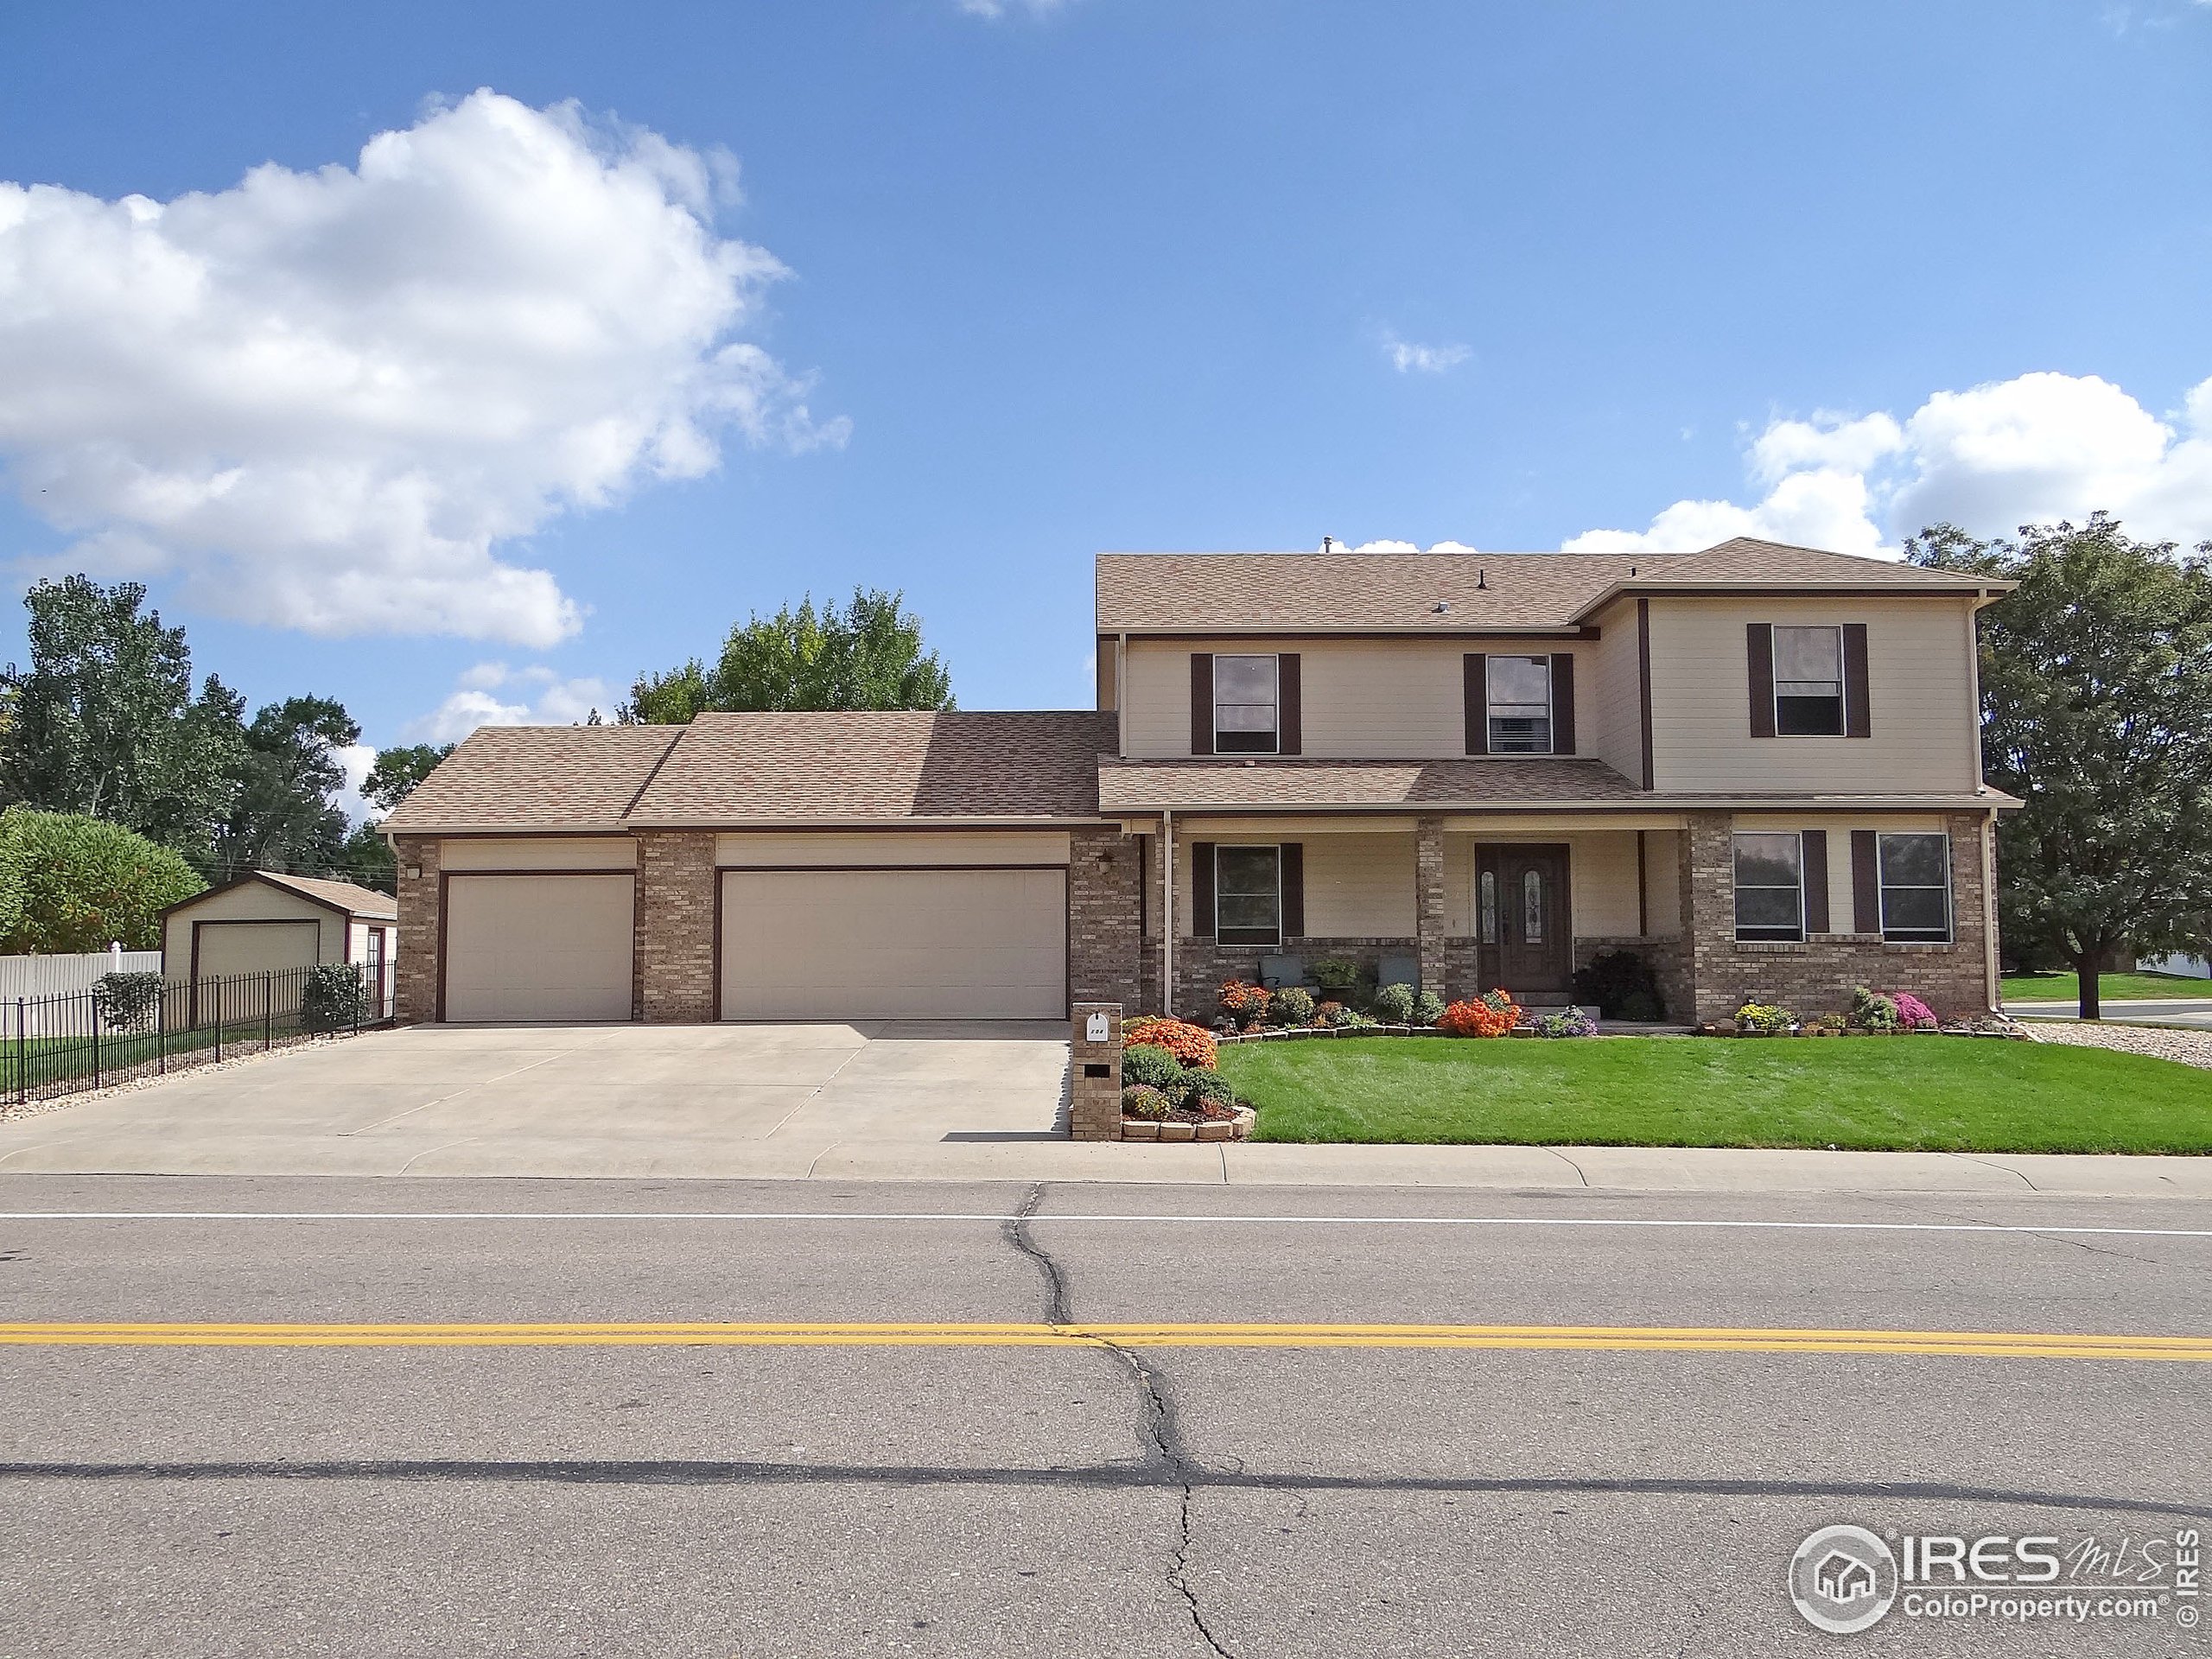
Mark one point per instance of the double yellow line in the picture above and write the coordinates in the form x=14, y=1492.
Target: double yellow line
x=804, y=1334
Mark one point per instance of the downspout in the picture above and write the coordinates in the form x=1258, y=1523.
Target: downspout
x=1167, y=912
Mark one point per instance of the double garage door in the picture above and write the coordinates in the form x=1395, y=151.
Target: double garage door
x=888, y=945
x=795, y=944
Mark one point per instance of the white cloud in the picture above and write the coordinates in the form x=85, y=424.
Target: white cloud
x=356, y=757
x=326, y=400
x=2034, y=448
x=536, y=695
x=1408, y=357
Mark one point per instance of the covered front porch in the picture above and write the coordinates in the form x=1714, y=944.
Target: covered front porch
x=1471, y=902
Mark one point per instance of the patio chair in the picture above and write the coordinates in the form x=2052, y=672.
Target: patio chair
x=1276, y=971
x=1399, y=968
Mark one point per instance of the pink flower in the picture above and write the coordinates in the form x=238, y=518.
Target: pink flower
x=1913, y=1014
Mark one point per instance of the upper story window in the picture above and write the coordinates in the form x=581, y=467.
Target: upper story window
x=1247, y=705
x=1769, y=887
x=1520, y=705
x=1916, y=878
x=1809, y=682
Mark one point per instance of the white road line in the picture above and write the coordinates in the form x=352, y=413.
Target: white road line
x=1112, y=1220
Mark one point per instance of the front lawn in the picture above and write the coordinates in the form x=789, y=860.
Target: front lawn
x=1926, y=1094
x=2067, y=987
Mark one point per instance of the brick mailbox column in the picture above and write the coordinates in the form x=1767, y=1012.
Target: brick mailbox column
x=1095, y=1072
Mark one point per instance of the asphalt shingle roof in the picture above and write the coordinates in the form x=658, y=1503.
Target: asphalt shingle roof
x=526, y=778
x=1212, y=784
x=887, y=766
x=1261, y=593
x=356, y=900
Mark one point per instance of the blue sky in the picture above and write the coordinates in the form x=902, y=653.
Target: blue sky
x=1140, y=273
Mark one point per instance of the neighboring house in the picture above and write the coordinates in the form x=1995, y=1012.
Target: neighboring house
x=1758, y=766
x=265, y=921
x=2185, y=967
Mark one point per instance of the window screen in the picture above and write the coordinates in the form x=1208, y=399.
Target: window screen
x=1809, y=682
x=1244, y=704
x=1520, y=705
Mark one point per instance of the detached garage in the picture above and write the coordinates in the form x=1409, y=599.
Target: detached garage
x=267, y=922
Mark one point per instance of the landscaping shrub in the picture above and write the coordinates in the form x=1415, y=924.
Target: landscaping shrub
x=1428, y=1008
x=1394, y=1004
x=1156, y=1067
x=1913, y=1014
x=1871, y=1011
x=1345, y=1019
x=335, y=998
x=1764, y=1016
x=1211, y=1086
x=1191, y=1045
x=1642, y=1007
x=1293, y=1006
x=71, y=883
x=1611, y=977
x=1573, y=1022
x=1142, y=1100
x=1338, y=978
x=1491, y=1014
x=127, y=1001
x=1245, y=1004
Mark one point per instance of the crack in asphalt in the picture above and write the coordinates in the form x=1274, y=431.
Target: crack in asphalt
x=1166, y=1457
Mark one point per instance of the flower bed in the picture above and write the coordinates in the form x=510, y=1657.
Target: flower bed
x=1211, y=1121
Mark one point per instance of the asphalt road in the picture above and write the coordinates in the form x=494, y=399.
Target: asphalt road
x=282, y=1486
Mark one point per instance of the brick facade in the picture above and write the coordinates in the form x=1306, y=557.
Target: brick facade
x=1429, y=921
x=674, y=956
x=1817, y=976
x=416, y=974
x=1105, y=906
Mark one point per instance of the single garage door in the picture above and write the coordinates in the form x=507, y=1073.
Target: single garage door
x=227, y=948
x=892, y=944
x=539, y=947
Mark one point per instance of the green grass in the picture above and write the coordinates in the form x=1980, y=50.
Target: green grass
x=2067, y=987
x=1929, y=1094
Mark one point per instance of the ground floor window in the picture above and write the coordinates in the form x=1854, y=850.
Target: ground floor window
x=1916, y=887
x=1247, y=895
x=1769, y=887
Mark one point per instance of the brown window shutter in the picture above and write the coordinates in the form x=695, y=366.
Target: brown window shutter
x=1477, y=676
x=1759, y=640
x=1290, y=704
x=1815, y=868
x=1294, y=889
x=1866, y=884
x=1858, y=710
x=1202, y=889
x=1201, y=702
x=1562, y=702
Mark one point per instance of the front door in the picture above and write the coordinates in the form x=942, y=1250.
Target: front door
x=1521, y=915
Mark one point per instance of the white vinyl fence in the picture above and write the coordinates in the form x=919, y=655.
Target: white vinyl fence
x=29, y=976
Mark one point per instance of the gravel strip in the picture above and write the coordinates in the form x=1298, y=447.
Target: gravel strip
x=2160, y=1042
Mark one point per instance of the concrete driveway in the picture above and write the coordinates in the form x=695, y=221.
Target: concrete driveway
x=577, y=1100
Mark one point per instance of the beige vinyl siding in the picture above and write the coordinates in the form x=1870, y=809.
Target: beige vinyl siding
x=1663, y=884
x=1612, y=706
x=1919, y=674
x=1360, y=886
x=251, y=902
x=771, y=849
x=539, y=853
x=1361, y=699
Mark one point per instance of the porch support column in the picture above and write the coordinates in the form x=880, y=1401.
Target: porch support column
x=1167, y=913
x=1428, y=901
x=1708, y=878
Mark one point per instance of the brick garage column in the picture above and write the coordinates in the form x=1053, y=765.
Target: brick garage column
x=1428, y=901
x=415, y=974
x=1974, y=930
x=675, y=926
x=1104, y=950
x=1708, y=888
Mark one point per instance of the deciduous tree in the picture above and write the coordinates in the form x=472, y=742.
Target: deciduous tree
x=69, y=882
x=864, y=654
x=2097, y=692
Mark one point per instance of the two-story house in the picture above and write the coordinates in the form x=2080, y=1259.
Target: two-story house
x=1758, y=766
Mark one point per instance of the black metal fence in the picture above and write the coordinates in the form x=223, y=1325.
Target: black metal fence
x=52, y=1045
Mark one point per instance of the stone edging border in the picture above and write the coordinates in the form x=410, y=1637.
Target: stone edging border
x=1223, y=1129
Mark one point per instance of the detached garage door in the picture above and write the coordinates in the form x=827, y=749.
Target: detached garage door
x=538, y=947
x=889, y=944
x=227, y=948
